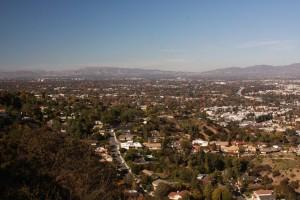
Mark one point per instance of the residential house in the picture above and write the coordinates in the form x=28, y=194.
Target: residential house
x=268, y=150
x=152, y=146
x=177, y=195
x=130, y=144
x=263, y=195
x=98, y=125
x=199, y=144
x=125, y=137
x=147, y=172
x=201, y=176
x=103, y=153
x=233, y=149
x=159, y=181
x=143, y=107
x=219, y=143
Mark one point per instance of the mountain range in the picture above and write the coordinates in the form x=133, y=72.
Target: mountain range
x=94, y=73
x=256, y=72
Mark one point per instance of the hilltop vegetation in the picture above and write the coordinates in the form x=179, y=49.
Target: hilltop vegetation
x=40, y=163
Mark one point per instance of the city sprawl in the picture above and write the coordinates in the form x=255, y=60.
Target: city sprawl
x=155, y=138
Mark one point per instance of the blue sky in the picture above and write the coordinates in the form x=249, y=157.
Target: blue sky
x=181, y=35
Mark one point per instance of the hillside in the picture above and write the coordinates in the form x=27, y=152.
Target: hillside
x=255, y=72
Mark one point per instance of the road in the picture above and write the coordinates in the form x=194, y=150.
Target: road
x=117, y=156
x=239, y=92
x=115, y=144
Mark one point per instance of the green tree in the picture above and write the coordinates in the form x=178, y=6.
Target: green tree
x=162, y=191
x=208, y=189
x=221, y=193
x=186, y=147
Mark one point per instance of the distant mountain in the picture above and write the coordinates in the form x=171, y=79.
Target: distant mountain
x=99, y=73
x=114, y=72
x=24, y=74
x=255, y=72
x=93, y=73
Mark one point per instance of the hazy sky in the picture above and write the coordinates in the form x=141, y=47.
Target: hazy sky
x=162, y=34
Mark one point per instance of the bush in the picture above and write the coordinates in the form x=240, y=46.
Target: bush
x=276, y=173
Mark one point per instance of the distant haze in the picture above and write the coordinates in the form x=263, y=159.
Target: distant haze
x=165, y=35
x=103, y=73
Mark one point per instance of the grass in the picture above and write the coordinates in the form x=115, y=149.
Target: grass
x=285, y=164
x=279, y=162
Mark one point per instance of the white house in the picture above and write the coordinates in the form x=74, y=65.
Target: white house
x=263, y=195
x=130, y=144
x=200, y=142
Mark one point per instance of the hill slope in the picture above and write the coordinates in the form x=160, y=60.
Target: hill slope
x=255, y=72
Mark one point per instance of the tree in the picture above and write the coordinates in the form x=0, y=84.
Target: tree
x=162, y=190
x=128, y=115
x=284, y=190
x=186, y=147
x=221, y=193
x=41, y=164
x=208, y=189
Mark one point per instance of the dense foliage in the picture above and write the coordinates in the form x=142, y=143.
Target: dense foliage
x=41, y=164
x=38, y=162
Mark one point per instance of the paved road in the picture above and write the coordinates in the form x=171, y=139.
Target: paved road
x=240, y=91
x=113, y=141
x=115, y=146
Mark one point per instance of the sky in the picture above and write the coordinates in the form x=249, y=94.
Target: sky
x=182, y=35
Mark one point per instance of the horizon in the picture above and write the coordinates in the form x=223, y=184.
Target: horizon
x=196, y=36
x=139, y=68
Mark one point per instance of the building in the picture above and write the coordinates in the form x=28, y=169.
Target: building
x=147, y=172
x=125, y=137
x=98, y=125
x=263, y=195
x=268, y=150
x=103, y=153
x=130, y=144
x=200, y=142
x=159, y=181
x=143, y=107
x=233, y=149
x=177, y=195
x=201, y=176
x=152, y=146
